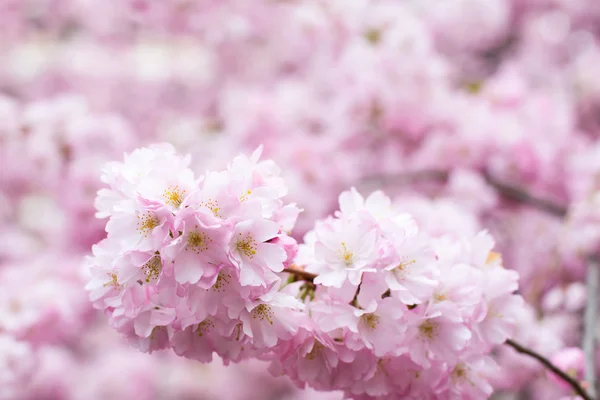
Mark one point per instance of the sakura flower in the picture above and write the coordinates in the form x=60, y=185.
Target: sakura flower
x=468, y=379
x=411, y=277
x=380, y=328
x=271, y=318
x=431, y=334
x=143, y=227
x=345, y=248
x=252, y=252
x=200, y=249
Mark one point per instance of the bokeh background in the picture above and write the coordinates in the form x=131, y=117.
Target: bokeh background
x=387, y=94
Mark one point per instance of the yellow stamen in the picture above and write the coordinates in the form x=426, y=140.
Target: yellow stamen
x=205, y=326
x=439, y=297
x=174, y=195
x=152, y=269
x=315, y=351
x=222, y=281
x=370, y=320
x=198, y=241
x=113, y=281
x=493, y=257
x=245, y=196
x=402, y=268
x=146, y=223
x=373, y=35
x=213, y=206
x=246, y=245
x=263, y=312
x=346, y=255
x=429, y=329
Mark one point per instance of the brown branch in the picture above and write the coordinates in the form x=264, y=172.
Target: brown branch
x=507, y=191
x=300, y=273
x=522, y=196
x=574, y=383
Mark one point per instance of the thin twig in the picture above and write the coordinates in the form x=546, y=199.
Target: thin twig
x=354, y=301
x=589, y=334
x=548, y=364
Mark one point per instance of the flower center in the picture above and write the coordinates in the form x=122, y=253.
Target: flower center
x=152, y=269
x=460, y=372
x=346, y=255
x=198, y=241
x=428, y=329
x=315, y=351
x=205, y=326
x=222, y=281
x=246, y=245
x=174, y=196
x=146, y=222
x=245, y=195
x=439, y=297
x=370, y=320
x=373, y=35
x=402, y=268
x=113, y=281
x=263, y=312
x=213, y=206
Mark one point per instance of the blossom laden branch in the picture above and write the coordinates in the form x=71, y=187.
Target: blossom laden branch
x=575, y=385
x=300, y=274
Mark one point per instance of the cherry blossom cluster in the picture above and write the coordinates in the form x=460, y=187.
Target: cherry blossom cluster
x=194, y=264
x=191, y=262
x=398, y=312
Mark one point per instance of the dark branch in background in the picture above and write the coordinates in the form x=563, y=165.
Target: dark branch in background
x=504, y=189
x=522, y=196
x=574, y=383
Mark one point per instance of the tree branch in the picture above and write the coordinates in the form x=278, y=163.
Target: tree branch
x=589, y=334
x=522, y=196
x=300, y=273
x=507, y=191
x=548, y=364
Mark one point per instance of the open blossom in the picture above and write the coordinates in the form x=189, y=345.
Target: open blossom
x=251, y=251
x=345, y=248
x=200, y=249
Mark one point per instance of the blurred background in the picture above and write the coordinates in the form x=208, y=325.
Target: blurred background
x=426, y=99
